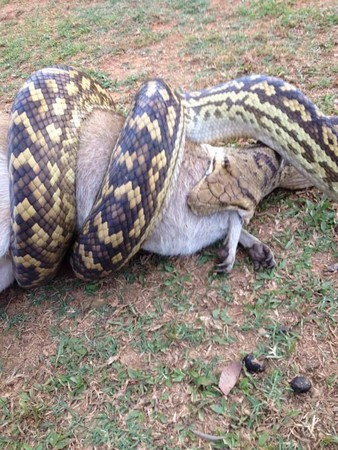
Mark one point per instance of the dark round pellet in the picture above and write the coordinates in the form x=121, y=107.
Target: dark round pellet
x=252, y=364
x=300, y=385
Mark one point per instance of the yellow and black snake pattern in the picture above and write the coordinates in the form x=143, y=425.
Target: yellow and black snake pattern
x=47, y=116
x=43, y=139
x=274, y=112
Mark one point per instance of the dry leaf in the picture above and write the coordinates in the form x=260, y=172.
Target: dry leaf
x=229, y=376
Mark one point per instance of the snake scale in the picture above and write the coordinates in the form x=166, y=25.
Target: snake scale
x=55, y=102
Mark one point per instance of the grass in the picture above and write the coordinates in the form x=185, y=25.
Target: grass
x=133, y=361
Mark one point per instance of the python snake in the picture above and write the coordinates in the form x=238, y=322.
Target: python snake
x=53, y=105
x=43, y=140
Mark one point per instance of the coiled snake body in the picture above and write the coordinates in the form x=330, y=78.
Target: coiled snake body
x=53, y=105
x=43, y=139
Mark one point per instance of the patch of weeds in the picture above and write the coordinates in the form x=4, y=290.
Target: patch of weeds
x=123, y=427
x=75, y=362
x=281, y=342
x=91, y=288
x=30, y=413
x=9, y=88
x=59, y=440
x=106, y=430
x=203, y=75
x=273, y=388
x=190, y=7
x=5, y=408
x=103, y=78
x=224, y=290
x=13, y=321
x=184, y=332
x=134, y=79
x=277, y=197
x=207, y=256
x=70, y=30
x=202, y=378
x=221, y=335
x=170, y=333
x=295, y=296
x=250, y=412
x=100, y=17
x=332, y=380
x=205, y=44
x=175, y=290
x=222, y=316
x=259, y=9
x=327, y=305
x=319, y=215
x=15, y=51
x=277, y=349
x=311, y=18
x=223, y=338
x=155, y=343
x=326, y=103
x=329, y=440
x=209, y=47
x=58, y=294
x=72, y=350
x=220, y=408
x=104, y=310
x=148, y=38
x=316, y=230
x=132, y=276
x=68, y=49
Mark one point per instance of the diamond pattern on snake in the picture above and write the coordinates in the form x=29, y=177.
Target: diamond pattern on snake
x=152, y=181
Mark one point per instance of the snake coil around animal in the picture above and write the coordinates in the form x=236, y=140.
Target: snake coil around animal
x=47, y=115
